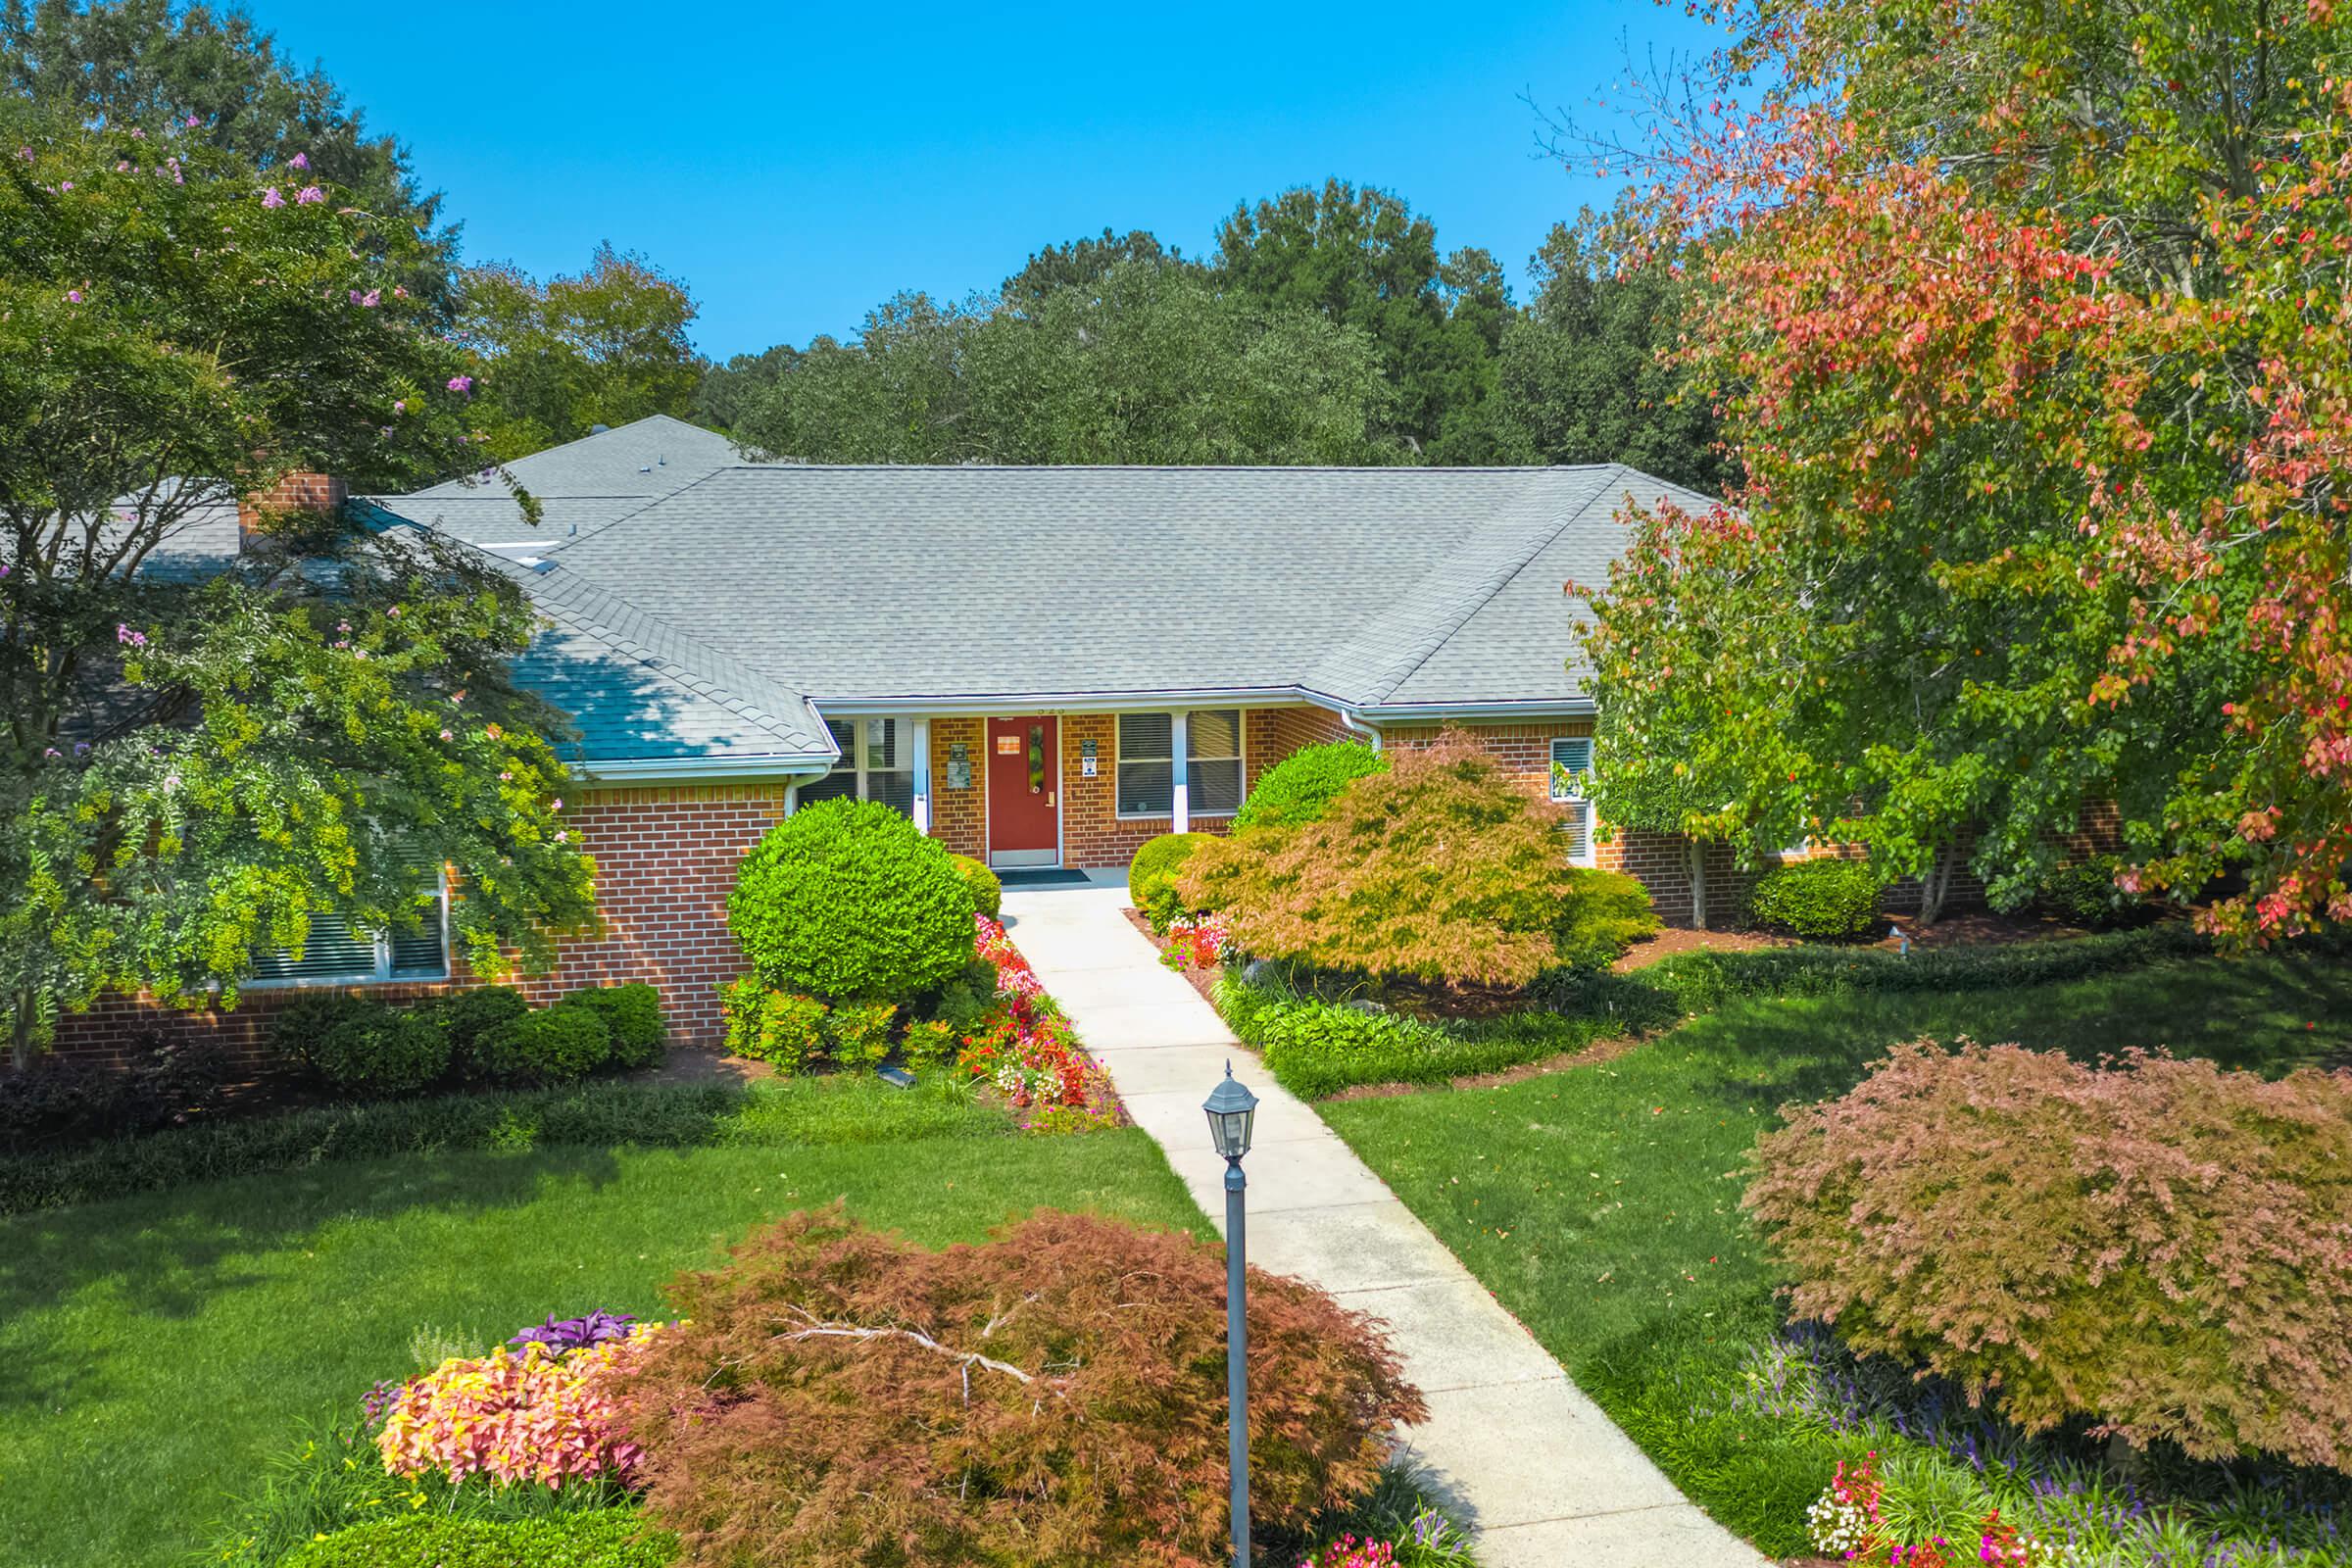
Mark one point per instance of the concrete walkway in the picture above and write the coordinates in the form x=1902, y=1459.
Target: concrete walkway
x=1532, y=1464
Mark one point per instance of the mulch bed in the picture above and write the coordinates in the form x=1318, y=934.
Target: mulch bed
x=1678, y=939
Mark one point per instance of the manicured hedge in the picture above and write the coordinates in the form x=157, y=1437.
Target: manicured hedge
x=606, y=1538
x=1303, y=785
x=549, y=1046
x=840, y=1111
x=380, y=1050
x=1151, y=876
x=988, y=889
x=632, y=1015
x=1315, y=1048
x=846, y=901
x=1823, y=899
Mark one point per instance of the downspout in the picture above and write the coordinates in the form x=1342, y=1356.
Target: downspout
x=1370, y=734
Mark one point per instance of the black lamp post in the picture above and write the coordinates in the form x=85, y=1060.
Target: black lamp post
x=1231, y=1111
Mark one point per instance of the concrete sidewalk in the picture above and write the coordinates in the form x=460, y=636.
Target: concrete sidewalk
x=1532, y=1465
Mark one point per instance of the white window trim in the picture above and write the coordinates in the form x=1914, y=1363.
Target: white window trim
x=914, y=742
x=381, y=974
x=1180, y=745
x=1577, y=795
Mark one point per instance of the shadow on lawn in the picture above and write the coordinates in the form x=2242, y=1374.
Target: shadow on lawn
x=2249, y=1015
x=171, y=1254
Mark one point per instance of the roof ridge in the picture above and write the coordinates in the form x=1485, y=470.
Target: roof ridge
x=1495, y=582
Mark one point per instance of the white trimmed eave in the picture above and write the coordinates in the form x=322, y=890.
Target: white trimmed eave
x=694, y=769
x=1467, y=712
x=1013, y=704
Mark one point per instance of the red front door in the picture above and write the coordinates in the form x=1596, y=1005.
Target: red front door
x=1024, y=792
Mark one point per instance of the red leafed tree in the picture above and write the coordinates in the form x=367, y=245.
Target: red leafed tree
x=2033, y=328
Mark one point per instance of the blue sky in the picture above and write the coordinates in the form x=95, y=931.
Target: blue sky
x=797, y=165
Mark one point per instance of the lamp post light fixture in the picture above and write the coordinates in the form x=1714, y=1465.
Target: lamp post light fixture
x=1232, y=1109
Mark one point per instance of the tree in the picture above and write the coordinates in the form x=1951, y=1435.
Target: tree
x=1149, y=365
x=604, y=347
x=728, y=389
x=1364, y=259
x=1083, y=263
x=1585, y=372
x=2029, y=327
x=191, y=773
x=126, y=63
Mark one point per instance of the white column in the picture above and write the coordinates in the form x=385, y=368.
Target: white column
x=920, y=737
x=1181, y=791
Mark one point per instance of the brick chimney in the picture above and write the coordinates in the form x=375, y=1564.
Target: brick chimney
x=299, y=491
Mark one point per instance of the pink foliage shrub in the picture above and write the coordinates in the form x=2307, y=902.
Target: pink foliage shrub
x=2158, y=1245
x=515, y=1415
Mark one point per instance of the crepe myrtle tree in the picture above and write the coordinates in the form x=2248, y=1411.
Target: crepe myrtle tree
x=194, y=769
x=2029, y=327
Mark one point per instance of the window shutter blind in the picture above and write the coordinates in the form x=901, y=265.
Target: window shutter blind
x=333, y=951
x=1577, y=825
x=1575, y=755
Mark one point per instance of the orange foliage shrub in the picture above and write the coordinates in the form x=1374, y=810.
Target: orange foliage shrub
x=2159, y=1245
x=1441, y=869
x=1056, y=1396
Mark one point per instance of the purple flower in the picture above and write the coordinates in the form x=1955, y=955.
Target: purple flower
x=400, y=405
x=191, y=122
x=72, y=296
x=309, y=194
x=373, y=298
x=170, y=781
x=576, y=1333
x=124, y=634
x=271, y=198
x=81, y=747
x=64, y=184
x=301, y=160
x=52, y=752
x=461, y=383
x=447, y=736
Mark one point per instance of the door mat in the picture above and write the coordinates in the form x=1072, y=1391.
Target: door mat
x=1041, y=876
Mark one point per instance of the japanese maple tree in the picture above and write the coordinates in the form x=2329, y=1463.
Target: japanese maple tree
x=2031, y=327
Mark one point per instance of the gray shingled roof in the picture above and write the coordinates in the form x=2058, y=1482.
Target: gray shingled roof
x=764, y=592
x=582, y=484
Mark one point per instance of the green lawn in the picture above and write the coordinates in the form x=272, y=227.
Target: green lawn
x=155, y=1349
x=1601, y=1204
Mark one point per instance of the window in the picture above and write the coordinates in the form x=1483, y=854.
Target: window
x=876, y=764
x=1571, y=776
x=338, y=954
x=1147, y=764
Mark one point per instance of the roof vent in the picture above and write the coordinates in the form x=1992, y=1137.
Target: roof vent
x=598, y=429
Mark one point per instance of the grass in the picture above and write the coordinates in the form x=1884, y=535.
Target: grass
x=158, y=1347
x=1601, y=1204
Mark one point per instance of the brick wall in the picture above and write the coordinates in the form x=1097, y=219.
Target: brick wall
x=960, y=817
x=294, y=492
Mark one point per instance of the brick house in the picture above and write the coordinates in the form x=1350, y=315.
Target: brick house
x=1044, y=668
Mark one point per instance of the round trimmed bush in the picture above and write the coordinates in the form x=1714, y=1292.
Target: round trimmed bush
x=632, y=1013
x=380, y=1050
x=1151, y=876
x=1303, y=785
x=987, y=892
x=846, y=900
x=600, y=1538
x=1824, y=901
x=465, y=1017
x=568, y=1040
x=2085, y=893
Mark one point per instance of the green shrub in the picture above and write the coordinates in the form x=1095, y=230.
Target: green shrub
x=297, y=1028
x=2131, y=1246
x=785, y=1112
x=466, y=1015
x=550, y=1046
x=632, y=1014
x=846, y=901
x=1303, y=785
x=1604, y=913
x=929, y=1045
x=987, y=892
x=859, y=1033
x=380, y=1050
x=1151, y=876
x=2085, y=893
x=1315, y=1048
x=778, y=1027
x=608, y=1538
x=1823, y=900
